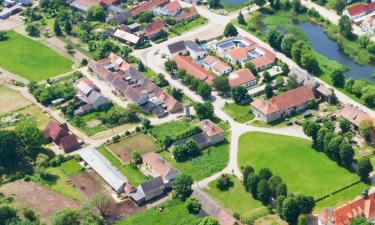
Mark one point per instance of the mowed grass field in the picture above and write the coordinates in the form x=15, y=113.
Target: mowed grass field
x=174, y=213
x=302, y=168
x=11, y=100
x=240, y=113
x=30, y=59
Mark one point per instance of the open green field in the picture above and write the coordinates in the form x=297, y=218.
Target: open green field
x=141, y=143
x=174, y=213
x=212, y=160
x=70, y=167
x=169, y=129
x=240, y=113
x=31, y=59
x=187, y=26
x=11, y=100
x=133, y=175
x=302, y=168
x=235, y=199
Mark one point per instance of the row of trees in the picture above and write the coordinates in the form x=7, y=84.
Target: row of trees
x=272, y=191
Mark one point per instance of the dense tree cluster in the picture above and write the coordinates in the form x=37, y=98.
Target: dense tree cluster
x=182, y=186
x=333, y=145
x=204, y=110
x=224, y=182
x=240, y=94
x=46, y=93
x=186, y=150
x=202, y=88
x=361, y=89
x=193, y=205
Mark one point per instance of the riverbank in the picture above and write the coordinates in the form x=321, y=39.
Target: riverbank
x=285, y=22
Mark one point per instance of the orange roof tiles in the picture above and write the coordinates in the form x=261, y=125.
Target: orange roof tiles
x=360, y=207
x=240, y=77
x=173, y=6
x=154, y=28
x=158, y=164
x=210, y=128
x=237, y=53
x=193, y=69
x=149, y=5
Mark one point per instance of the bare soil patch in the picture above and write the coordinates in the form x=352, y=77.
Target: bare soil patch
x=44, y=201
x=87, y=183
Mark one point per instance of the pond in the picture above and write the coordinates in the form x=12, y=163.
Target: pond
x=325, y=46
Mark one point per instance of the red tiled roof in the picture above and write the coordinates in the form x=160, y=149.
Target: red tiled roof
x=355, y=115
x=210, y=59
x=237, y=53
x=149, y=5
x=361, y=9
x=210, y=128
x=69, y=143
x=154, y=28
x=285, y=101
x=158, y=164
x=88, y=3
x=240, y=77
x=360, y=207
x=193, y=69
x=221, y=66
x=187, y=13
x=173, y=6
x=55, y=131
x=108, y=2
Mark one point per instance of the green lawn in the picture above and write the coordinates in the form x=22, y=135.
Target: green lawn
x=169, y=129
x=30, y=59
x=302, y=168
x=186, y=26
x=133, y=175
x=212, y=160
x=174, y=213
x=57, y=181
x=235, y=199
x=70, y=167
x=240, y=113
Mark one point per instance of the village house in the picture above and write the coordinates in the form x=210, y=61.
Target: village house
x=129, y=83
x=359, y=12
x=171, y=9
x=84, y=5
x=194, y=50
x=158, y=167
x=117, y=14
x=193, y=69
x=187, y=14
x=368, y=24
x=239, y=50
x=363, y=206
x=60, y=135
x=355, y=116
x=148, y=190
x=215, y=64
x=154, y=29
x=7, y=12
x=126, y=37
x=242, y=77
x=276, y=107
x=147, y=6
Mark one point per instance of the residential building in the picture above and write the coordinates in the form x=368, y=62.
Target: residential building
x=148, y=190
x=7, y=12
x=215, y=64
x=187, y=14
x=117, y=14
x=159, y=167
x=8, y=3
x=242, y=77
x=126, y=37
x=154, y=29
x=25, y=3
x=171, y=9
x=195, y=51
x=363, y=206
x=84, y=5
x=60, y=135
x=84, y=87
x=274, y=108
x=214, y=132
x=129, y=83
x=355, y=116
x=101, y=166
x=147, y=6
x=360, y=11
x=239, y=50
x=193, y=69
x=368, y=24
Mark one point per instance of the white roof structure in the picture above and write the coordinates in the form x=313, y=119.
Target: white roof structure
x=104, y=168
x=132, y=38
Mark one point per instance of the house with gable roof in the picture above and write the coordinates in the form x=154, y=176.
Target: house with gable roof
x=171, y=9
x=61, y=136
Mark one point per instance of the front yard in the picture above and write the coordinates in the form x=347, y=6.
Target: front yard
x=240, y=113
x=174, y=213
x=212, y=160
x=303, y=169
x=30, y=59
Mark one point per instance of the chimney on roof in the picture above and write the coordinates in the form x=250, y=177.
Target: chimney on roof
x=365, y=193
